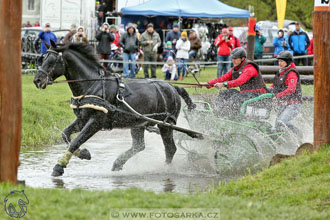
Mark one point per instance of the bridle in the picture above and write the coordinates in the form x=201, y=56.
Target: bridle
x=59, y=58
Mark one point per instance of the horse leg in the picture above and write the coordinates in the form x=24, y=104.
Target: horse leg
x=167, y=137
x=137, y=146
x=75, y=127
x=92, y=126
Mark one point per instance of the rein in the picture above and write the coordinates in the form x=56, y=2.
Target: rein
x=192, y=85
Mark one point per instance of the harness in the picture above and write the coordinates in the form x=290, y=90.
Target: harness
x=96, y=102
x=59, y=58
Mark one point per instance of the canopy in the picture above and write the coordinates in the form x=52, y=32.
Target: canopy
x=186, y=8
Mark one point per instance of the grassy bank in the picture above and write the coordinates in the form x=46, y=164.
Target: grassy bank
x=295, y=189
x=46, y=112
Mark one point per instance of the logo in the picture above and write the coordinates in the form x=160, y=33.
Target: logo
x=15, y=204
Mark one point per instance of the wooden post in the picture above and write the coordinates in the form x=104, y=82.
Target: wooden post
x=10, y=88
x=321, y=33
x=251, y=38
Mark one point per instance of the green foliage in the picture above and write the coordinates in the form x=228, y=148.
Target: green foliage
x=295, y=189
x=266, y=10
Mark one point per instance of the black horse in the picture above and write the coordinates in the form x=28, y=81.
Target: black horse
x=97, y=102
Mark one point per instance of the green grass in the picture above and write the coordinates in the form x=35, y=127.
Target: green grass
x=295, y=189
x=47, y=112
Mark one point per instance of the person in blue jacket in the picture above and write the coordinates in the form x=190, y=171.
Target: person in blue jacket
x=299, y=42
x=279, y=43
x=46, y=35
x=286, y=36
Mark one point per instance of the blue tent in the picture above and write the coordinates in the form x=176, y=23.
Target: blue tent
x=186, y=8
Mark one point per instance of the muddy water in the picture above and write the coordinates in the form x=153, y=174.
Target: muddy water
x=146, y=170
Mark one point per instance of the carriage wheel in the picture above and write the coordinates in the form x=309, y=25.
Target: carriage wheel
x=237, y=153
x=192, y=154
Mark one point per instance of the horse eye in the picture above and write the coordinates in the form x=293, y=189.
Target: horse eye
x=51, y=59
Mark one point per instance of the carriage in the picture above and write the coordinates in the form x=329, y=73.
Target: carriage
x=235, y=145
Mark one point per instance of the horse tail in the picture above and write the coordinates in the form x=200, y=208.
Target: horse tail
x=184, y=94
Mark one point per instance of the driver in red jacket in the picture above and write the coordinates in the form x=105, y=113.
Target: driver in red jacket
x=246, y=75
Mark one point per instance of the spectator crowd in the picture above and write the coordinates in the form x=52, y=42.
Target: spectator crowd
x=180, y=47
x=295, y=41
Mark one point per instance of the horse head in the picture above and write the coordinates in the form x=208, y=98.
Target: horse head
x=53, y=66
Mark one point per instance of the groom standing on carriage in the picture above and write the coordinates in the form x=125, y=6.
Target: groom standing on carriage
x=246, y=75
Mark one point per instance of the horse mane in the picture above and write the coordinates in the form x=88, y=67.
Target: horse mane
x=85, y=50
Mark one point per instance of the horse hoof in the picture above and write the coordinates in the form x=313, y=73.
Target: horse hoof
x=192, y=107
x=58, y=170
x=84, y=154
x=116, y=168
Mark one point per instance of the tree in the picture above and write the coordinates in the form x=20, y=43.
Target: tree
x=266, y=10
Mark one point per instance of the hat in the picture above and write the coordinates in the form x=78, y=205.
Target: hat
x=113, y=26
x=80, y=27
x=224, y=30
x=238, y=52
x=47, y=25
x=230, y=28
x=297, y=23
x=286, y=56
x=184, y=34
x=150, y=25
x=168, y=43
x=175, y=25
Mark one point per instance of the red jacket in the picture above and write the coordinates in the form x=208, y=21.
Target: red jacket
x=224, y=47
x=237, y=43
x=290, y=81
x=310, y=49
x=248, y=72
x=116, y=41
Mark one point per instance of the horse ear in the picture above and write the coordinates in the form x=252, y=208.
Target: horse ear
x=47, y=45
x=53, y=43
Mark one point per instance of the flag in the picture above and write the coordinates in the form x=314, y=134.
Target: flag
x=281, y=9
